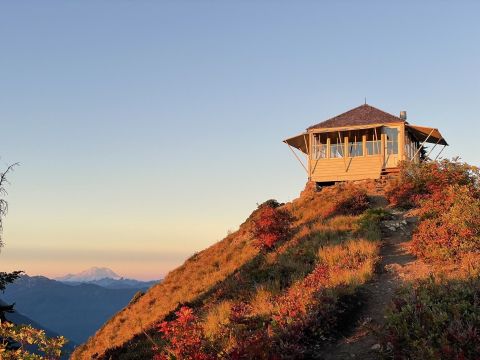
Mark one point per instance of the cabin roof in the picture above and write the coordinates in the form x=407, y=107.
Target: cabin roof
x=361, y=115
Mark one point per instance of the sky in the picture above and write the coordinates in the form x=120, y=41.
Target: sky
x=146, y=130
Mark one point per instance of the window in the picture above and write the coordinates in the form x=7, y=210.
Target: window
x=337, y=150
x=391, y=140
x=319, y=146
x=374, y=147
x=355, y=148
x=374, y=142
x=411, y=147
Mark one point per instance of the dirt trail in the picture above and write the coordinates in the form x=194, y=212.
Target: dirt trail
x=396, y=264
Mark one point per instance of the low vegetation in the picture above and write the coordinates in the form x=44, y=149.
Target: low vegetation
x=436, y=319
x=16, y=343
x=439, y=317
x=446, y=196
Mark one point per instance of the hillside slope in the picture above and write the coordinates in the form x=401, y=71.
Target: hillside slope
x=328, y=227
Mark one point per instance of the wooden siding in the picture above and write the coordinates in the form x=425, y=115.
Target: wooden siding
x=356, y=168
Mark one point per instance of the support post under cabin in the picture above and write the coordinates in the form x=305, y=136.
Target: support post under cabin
x=308, y=149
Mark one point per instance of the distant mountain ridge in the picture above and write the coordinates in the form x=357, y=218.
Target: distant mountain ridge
x=20, y=319
x=73, y=310
x=121, y=283
x=106, y=278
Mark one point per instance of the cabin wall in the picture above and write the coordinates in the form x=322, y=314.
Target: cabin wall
x=343, y=169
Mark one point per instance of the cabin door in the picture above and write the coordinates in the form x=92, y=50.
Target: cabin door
x=391, y=147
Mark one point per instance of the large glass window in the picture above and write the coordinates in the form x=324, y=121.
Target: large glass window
x=411, y=146
x=355, y=148
x=337, y=150
x=319, y=146
x=391, y=140
x=374, y=147
x=374, y=144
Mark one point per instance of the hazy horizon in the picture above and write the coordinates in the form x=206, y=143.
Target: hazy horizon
x=147, y=130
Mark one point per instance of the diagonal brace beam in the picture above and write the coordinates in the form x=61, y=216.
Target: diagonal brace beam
x=423, y=144
x=444, y=146
x=294, y=153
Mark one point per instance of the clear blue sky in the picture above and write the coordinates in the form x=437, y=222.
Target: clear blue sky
x=147, y=129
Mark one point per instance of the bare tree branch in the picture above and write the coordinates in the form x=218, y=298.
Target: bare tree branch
x=3, y=191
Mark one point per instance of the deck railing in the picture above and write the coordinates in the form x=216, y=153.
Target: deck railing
x=355, y=149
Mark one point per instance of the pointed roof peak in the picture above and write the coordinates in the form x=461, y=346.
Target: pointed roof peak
x=364, y=114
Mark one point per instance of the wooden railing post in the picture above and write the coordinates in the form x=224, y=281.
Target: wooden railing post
x=382, y=149
x=401, y=143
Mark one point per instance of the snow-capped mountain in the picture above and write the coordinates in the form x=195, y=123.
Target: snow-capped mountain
x=106, y=278
x=89, y=275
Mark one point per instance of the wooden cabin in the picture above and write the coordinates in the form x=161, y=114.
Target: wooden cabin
x=362, y=143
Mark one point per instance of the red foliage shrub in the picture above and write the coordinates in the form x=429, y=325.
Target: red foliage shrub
x=293, y=306
x=305, y=310
x=184, y=338
x=418, y=181
x=270, y=226
x=450, y=225
x=401, y=194
x=447, y=196
x=246, y=337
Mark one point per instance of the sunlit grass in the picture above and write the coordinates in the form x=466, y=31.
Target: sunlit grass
x=216, y=318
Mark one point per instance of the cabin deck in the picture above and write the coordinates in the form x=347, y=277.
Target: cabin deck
x=343, y=169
